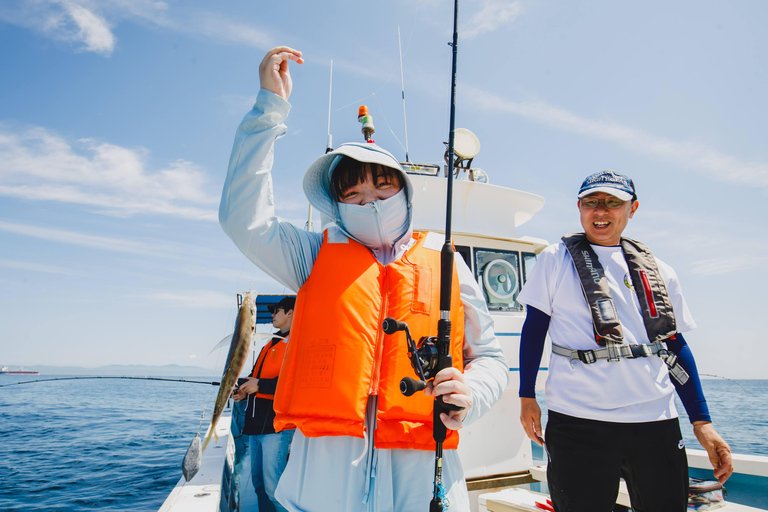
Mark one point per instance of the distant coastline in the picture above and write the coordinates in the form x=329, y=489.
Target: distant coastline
x=169, y=370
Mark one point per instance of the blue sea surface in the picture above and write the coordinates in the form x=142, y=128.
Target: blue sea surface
x=81, y=445
x=106, y=444
x=739, y=410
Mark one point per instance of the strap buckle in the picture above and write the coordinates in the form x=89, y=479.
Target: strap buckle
x=587, y=356
x=640, y=350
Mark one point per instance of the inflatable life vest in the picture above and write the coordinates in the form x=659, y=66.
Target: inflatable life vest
x=655, y=305
x=268, y=363
x=339, y=356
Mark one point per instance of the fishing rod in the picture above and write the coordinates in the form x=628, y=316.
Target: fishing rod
x=433, y=353
x=110, y=377
x=439, y=430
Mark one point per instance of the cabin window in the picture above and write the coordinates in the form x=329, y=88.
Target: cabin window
x=466, y=253
x=498, y=273
x=529, y=260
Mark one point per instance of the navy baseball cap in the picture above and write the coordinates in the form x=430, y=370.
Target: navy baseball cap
x=610, y=182
x=287, y=303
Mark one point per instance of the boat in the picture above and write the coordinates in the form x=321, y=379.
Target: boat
x=496, y=454
x=21, y=371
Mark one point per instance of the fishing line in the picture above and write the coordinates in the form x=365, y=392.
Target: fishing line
x=356, y=102
x=211, y=383
x=726, y=378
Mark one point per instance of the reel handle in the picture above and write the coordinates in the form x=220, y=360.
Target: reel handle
x=391, y=326
x=409, y=386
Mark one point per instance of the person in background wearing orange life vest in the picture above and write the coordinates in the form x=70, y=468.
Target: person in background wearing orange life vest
x=359, y=444
x=269, y=449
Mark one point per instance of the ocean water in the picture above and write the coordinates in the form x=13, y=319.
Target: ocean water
x=81, y=445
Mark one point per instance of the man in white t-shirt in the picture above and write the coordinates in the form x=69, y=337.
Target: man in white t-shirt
x=609, y=392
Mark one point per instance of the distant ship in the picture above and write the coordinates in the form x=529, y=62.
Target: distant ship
x=20, y=371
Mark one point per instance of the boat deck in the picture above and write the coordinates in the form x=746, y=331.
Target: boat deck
x=522, y=500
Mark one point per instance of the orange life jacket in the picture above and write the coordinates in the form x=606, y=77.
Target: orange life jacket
x=339, y=355
x=268, y=364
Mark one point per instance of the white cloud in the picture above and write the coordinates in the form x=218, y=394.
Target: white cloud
x=237, y=104
x=727, y=265
x=222, y=28
x=36, y=267
x=691, y=155
x=227, y=274
x=86, y=24
x=92, y=30
x=42, y=166
x=79, y=23
x=193, y=299
x=493, y=15
x=83, y=240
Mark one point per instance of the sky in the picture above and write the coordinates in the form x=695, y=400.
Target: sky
x=117, y=119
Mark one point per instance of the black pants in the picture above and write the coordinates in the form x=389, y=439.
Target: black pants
x=587, y=457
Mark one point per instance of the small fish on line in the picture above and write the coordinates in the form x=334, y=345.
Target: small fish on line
x=238, y=354
x=192, y=460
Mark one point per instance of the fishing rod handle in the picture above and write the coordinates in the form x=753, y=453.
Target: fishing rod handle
x=444, y=360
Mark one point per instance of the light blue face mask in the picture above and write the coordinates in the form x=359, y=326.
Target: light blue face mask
x=377, y=225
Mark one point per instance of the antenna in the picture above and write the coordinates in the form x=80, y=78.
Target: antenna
x=329, y=146
x=402, y=90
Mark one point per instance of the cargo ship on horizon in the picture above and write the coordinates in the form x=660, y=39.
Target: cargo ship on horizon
x=21, y=371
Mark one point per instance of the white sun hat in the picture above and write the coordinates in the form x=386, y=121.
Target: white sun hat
x=317, y=179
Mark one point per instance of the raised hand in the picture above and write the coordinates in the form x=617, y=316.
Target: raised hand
x=273, y=70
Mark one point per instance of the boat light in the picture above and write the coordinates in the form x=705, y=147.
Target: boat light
x=367, y=120
x=421, y=169
x=466, y=145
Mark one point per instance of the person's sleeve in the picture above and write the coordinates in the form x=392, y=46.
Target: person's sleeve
x=539, y=289
x=247, y=210
x=268, y=386
x=690, y=393
x=532, y=342
x=485, y=367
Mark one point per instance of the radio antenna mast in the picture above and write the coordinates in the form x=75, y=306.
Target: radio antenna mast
x=402, y=90
x=329, y=146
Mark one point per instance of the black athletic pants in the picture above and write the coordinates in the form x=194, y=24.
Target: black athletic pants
x=587, y=457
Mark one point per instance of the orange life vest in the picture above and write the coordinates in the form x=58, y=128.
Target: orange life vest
x=339, y=355
x=268, y=364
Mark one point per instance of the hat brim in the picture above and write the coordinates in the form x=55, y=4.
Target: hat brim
x=619, y=194
x=317, y=179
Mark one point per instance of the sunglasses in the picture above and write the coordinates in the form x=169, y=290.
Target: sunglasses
x=610, y=202
x=274, y=311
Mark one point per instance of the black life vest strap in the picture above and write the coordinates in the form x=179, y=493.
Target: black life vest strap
x=656, y=307
x=605, y=319
x=658, y=316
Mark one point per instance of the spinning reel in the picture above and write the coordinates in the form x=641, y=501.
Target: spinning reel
x=424, y=357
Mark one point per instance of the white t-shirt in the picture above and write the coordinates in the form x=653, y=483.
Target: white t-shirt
x=630, y=390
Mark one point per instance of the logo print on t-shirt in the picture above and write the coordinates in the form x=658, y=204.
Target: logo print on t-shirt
x=681, y=445
x=628, y=281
